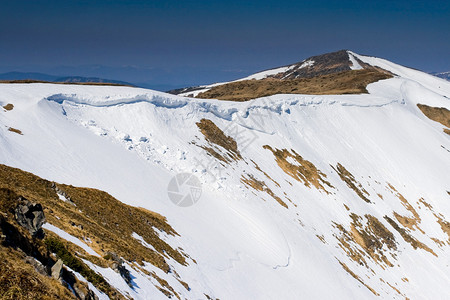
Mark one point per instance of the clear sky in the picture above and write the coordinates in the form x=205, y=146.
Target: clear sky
x=178, y=43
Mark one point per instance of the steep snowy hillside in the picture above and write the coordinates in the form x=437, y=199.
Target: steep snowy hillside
x=287, y=196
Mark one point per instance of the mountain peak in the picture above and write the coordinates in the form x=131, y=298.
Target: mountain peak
x=339, y=72
x=328, y=63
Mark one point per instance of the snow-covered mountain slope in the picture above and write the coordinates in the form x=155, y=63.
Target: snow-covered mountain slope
x=302, y=196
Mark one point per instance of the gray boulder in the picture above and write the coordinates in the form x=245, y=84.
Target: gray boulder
x=30, y=216
x=118, y=266
x=57, y=269
x=38, y=266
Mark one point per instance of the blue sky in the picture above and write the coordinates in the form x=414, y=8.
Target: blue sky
x=176, y=43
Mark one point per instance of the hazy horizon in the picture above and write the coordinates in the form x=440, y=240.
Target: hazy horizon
x=176, y=44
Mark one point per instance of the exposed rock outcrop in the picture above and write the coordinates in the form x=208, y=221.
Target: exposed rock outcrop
x=57, y=270
x=117, y=266
x=30, y=216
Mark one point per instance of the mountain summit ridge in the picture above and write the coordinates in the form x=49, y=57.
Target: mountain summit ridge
x=342, y=61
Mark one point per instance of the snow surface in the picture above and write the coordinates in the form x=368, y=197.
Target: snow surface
x=355, y=64
x=256, y=76
x=307, y=63
x=265, y=74
x=143, y=242
x=130, y=142
x=62, y=198
x=99, y=294
x=68, y=237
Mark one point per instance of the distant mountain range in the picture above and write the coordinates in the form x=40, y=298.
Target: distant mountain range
x=32, y=76
x=312, y=67
x=444, y=75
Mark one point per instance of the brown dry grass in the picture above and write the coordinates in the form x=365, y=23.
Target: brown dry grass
x=347, y=82
x=438, y=242
x=347, y=269
x=8, y=106
x=215, y=136
x=394, y=288
x=426, y=204
x=321, y=238
x=437, y=114
x=111, y=223
x=408, y=238
x=96, y=216
x=22, y=280
x=15, y=130
x=408, y=222
x=445, y=226
x=258, y=185
x=371, y=236
x=19, y=280
x=351, y=182
x=305, y=171
x=265, y=174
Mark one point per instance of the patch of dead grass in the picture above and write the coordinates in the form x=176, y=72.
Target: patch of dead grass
x=111, y=224
x=267, y=175
x=371, y=236
x=347, y=269
x=409, y=238
x=445, y=226
x=303, y=171
x=347, y=82
x=258, y=185
x=216, y=137
x=437, y=114
x=15, y=130
x=351, y=182
x=8, y=106
x=408, y=222
x=19, y=280
x=321, y=238
x=394, y=288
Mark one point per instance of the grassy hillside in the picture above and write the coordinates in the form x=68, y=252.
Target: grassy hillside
x=87, y=214
x=347, y=82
